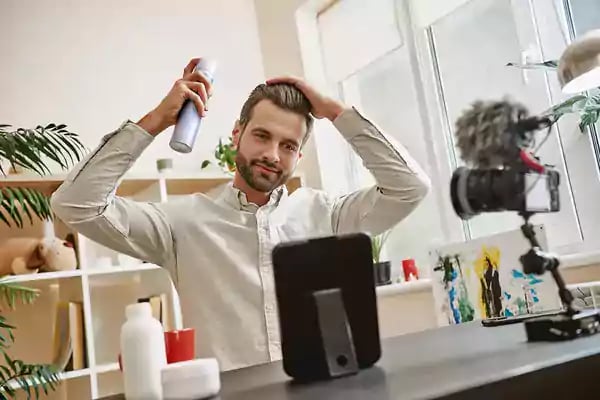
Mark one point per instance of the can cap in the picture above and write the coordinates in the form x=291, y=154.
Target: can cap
x=207, y=65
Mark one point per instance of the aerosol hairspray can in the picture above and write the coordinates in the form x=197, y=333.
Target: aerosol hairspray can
x=188, y=121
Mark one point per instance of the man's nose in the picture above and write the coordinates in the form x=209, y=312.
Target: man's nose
x=271, y=153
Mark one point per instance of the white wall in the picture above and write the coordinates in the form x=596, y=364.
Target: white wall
x=93, y=64
x=281, y=56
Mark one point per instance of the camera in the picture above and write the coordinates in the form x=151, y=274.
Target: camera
x=475, y=191
x=501, y=173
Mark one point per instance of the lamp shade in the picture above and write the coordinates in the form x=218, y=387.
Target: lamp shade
x=579, y=65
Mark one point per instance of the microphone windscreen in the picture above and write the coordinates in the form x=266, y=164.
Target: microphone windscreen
x=486, y=133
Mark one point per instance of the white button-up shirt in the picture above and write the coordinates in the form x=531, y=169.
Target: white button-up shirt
x=217, y=246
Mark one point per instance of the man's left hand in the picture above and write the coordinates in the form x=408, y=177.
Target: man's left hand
x=322, y=106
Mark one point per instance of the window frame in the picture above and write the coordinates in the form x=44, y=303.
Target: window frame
x=436, y=124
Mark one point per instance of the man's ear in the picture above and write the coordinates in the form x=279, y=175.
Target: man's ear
x=235, y=133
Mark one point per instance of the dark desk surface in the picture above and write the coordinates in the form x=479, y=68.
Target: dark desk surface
x=465, y=361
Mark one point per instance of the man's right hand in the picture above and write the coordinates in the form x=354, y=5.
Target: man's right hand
x=193, y=86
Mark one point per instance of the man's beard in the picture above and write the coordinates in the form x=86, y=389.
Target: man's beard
x=260, y=181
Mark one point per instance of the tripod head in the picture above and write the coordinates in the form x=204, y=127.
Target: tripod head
x=536, y=261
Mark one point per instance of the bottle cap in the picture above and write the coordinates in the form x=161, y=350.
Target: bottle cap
x=138, y=310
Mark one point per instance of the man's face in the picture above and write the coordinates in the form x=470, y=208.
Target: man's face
x=268, y=148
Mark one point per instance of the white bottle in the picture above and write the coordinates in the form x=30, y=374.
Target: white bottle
x=188, y=121
x=143, y=353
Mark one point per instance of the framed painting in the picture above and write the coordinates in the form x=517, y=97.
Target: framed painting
x=483, y=278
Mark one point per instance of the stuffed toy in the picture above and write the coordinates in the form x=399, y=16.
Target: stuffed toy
x=30, y=255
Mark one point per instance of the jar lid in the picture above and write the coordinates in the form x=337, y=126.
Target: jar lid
x=190, y=368
x=192, y=379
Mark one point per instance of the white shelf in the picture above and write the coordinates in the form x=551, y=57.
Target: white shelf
x=121, y=269
x=104, y=368
x=75, y=374
x=40, y=276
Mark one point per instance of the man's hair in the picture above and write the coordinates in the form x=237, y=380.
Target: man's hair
x=283, y=95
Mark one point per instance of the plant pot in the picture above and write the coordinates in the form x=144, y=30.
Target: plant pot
x=383, y=273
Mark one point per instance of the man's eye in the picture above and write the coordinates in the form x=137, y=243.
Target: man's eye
x=290, y=147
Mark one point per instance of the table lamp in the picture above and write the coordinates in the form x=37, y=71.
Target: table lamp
x=579, y=65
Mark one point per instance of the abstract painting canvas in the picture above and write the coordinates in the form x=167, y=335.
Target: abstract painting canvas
x=483, y=278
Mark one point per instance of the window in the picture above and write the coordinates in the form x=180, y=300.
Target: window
x=474, y=43
x=382, y=83
x=415, y=81
x=585, y=15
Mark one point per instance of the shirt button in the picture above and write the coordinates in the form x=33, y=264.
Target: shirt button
x=269, y=307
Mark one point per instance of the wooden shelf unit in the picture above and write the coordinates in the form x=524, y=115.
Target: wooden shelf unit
x=104, y=282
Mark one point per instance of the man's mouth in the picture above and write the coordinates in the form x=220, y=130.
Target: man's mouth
x=264, y=168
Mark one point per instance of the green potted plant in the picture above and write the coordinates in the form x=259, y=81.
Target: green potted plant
x=381, y=269
x=225, y=156
x=29, y=149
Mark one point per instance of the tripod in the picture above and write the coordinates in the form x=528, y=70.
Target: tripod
x=571, y=322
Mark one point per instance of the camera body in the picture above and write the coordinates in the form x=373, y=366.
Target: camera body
x=475, y=191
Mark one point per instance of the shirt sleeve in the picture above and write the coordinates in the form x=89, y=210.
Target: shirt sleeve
x=400, y=185
x=87, y=202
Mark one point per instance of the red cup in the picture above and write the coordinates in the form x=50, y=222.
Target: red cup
x=180, y=345
x=409, y=268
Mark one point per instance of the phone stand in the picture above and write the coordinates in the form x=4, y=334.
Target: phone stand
x=336, y=336
x=327, y=306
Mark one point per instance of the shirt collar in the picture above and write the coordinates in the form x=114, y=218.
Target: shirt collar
x=238, y=199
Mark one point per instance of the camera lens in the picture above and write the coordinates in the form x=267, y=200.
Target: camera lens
x=474, y=191
x=458, y=193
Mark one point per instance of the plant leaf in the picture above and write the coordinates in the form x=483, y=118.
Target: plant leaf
x=29, y=376
x=60, y=148
x=548, y=65
x=4, y=219
x=21, y=200
x=46, y=147
x=10, y=152
x=26, y=147
x=10, y=290
x=570, y=105
x=17, y=200
x=9, y=205
x=32, y=201
x=587, y=119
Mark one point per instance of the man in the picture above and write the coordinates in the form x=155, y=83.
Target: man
x=217, y=247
